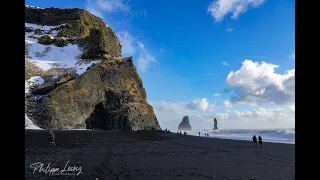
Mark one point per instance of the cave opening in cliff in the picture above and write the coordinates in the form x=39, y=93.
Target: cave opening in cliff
x=106, y=118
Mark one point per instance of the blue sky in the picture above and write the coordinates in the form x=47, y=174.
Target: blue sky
x=186, y=53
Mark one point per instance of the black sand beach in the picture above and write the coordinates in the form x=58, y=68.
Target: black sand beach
x=155, y=155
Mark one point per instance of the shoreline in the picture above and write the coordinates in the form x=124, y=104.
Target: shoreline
x=214, y=137
x=268, y=141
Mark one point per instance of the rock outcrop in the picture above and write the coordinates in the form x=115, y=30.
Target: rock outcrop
x=109, y=94
x=91, y=33
x=215, y=124
x=184, y=125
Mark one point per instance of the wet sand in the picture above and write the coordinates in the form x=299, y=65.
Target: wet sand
x=154, y=155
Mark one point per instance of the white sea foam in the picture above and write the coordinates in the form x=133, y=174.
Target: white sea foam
x=268, y=135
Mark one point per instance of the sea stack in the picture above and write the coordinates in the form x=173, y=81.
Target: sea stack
x=185, y=125
x=215, y=124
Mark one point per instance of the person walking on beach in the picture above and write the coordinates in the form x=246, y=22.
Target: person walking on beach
x=93, y=125
x=260, y=141
x=51, y=139
x=199, y=133
x=254, y=141
x=180, y=133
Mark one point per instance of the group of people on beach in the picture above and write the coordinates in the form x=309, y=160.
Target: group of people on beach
x=205, y=134
x=180, y=134
x=254, y=139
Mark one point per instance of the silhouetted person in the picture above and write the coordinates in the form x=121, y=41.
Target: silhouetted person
x=93, y=125
x=51, y=139
x=260, y=141
x=254, y=139
x=180, y=133
x=199, y=133
x=208, y=135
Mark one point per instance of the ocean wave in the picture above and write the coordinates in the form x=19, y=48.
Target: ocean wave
x=268, y=135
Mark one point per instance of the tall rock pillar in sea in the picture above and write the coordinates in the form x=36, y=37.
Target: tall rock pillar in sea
x=215, y=124
x=185, y=125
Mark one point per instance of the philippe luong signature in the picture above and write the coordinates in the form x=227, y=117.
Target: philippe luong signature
x=53, y=171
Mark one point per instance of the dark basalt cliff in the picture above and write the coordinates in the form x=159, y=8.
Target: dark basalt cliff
x=108, y=95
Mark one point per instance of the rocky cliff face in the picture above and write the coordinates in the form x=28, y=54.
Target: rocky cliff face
x=95, y=38
x=184, y=125
x=108, y=94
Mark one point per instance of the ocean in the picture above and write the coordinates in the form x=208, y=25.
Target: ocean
x=268, y=135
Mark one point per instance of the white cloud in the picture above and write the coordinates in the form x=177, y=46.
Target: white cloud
x=199, y=104
x=95, y=11
x=145, y=58
x=170, y=115
x=97, y=7
x=130, y=46
x=292, y=107
x=227, y=104
x=224, y=63
x=230, y=29
x=219, y=8
x=171, y=107
x=113, y=5
x=217, y=94
x=256, y=84
x=127, y=43
x=271, y=115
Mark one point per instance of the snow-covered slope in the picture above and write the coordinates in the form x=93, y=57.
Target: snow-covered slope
x=32, y=82
x=29, y=85
x=29, y=124
x=50, y=56
x=35, y=7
